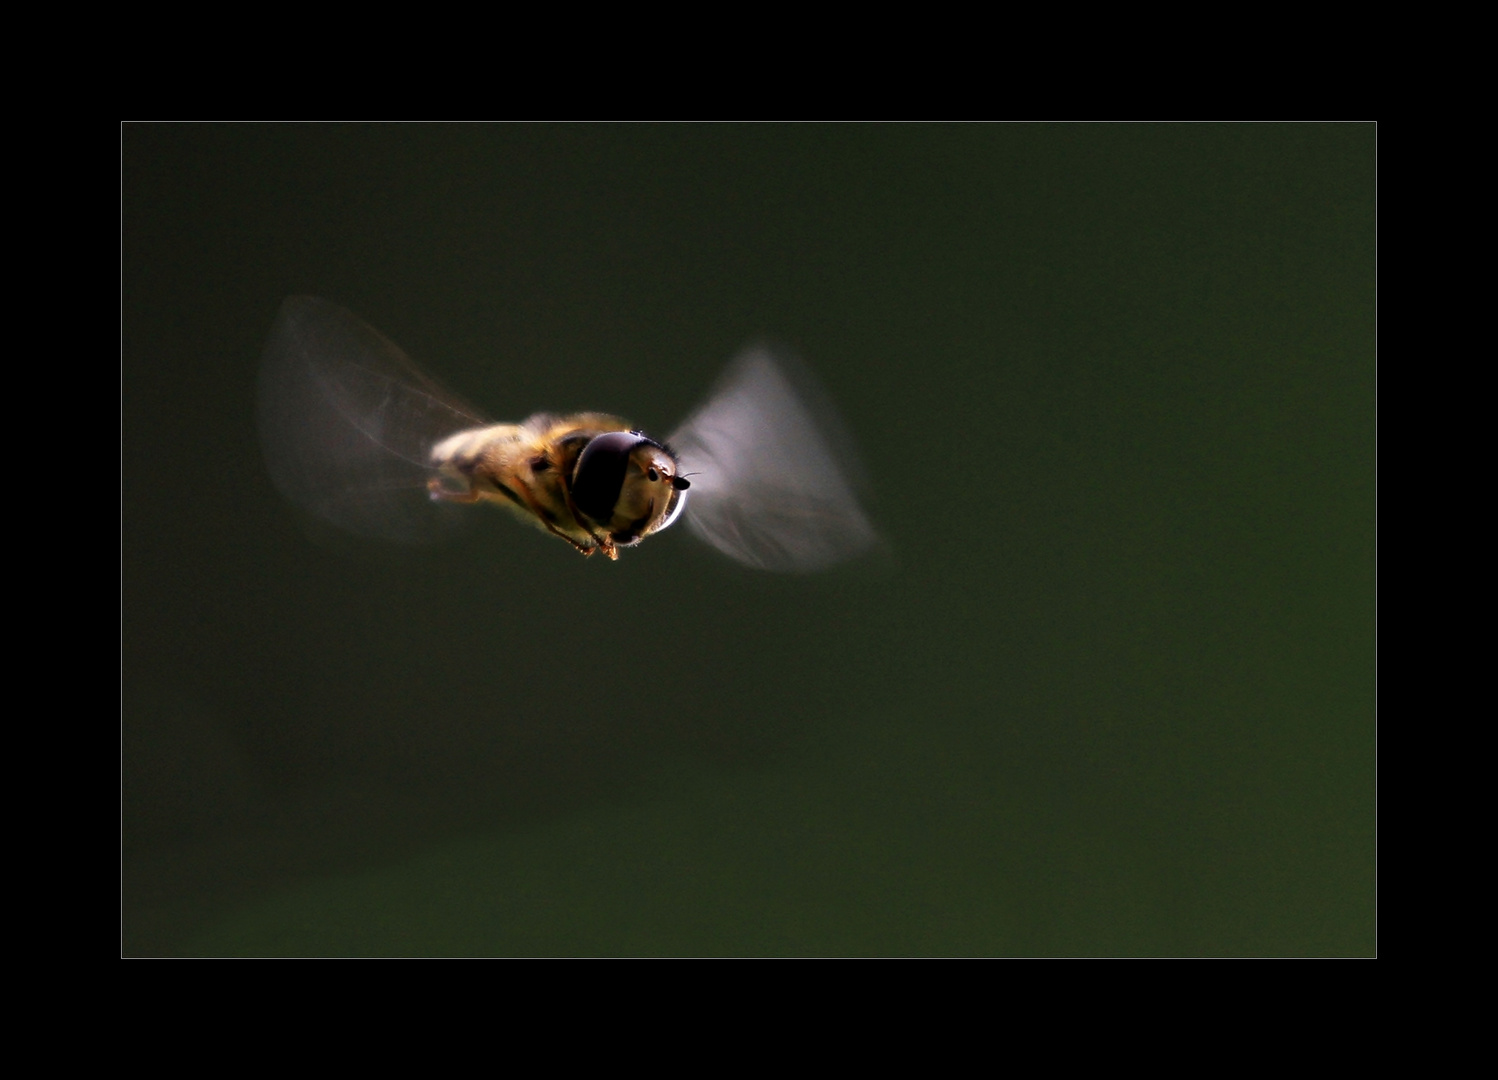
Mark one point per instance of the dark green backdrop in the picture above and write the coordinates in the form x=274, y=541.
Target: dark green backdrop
x=1111, y=692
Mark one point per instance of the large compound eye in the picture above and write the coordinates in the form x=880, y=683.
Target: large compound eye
x=599, y=476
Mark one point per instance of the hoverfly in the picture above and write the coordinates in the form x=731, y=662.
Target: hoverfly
x=355, y=433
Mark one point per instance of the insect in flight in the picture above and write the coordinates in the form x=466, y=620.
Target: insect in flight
x=355, y=433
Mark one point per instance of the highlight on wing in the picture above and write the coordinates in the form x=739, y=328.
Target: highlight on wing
x=772, y=478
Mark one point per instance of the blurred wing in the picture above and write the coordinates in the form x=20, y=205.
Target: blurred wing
x=772, y=472
x=347, y=422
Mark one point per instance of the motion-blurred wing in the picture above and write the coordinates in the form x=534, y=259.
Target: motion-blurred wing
x=772, y=473
x=347, y=422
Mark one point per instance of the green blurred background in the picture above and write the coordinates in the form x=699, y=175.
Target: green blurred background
x=1111, y=692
